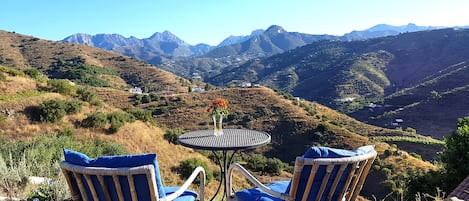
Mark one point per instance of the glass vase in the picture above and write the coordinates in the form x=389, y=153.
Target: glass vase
x=217, y=125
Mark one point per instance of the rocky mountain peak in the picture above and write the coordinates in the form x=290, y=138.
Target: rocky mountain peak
x=167, y=36
x=275, y=29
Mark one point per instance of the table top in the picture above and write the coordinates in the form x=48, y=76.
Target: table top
x=232, y=139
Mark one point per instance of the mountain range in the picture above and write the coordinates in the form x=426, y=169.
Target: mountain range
x=260, y=42
x=400, y=72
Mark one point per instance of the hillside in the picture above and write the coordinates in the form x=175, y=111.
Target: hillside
x=349, y=75
x=294, y=125
x=20, y=94
x=60, y=60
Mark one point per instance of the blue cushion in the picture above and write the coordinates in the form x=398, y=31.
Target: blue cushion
x=256, y=194
x=326, y=152
x=81, y=159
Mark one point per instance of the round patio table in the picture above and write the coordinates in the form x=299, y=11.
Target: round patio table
x=232, y=140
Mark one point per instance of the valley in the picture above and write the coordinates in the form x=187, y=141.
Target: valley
x=423, y=82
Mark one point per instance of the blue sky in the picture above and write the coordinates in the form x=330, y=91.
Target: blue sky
x=211, y=21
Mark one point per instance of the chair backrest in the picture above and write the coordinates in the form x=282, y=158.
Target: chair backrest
x=102, y=183
x=330, y=178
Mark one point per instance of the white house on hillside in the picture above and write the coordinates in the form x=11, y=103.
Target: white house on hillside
x=136, y=90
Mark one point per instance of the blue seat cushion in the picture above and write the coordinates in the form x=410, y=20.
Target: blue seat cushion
x=256, y=194
x=326, y=152
x=81, y=159
x=188, y=195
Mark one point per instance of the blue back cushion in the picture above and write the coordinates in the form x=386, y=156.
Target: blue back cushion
x=326, y=152
x=81, y=159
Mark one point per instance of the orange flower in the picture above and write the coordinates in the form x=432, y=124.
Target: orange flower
x=219, y=107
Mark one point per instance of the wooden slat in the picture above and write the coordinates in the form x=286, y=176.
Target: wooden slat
x=118, y=186
x=312, y=174
x=133, y=192
x=153, y=191
x=296, y=177
x=104, y=187
x=73, y=191
x=324, y=182
x=336, y=181
x=350, y=181
x=363, y=176
x=91, y=187
x=81, y=187
x=356, y=179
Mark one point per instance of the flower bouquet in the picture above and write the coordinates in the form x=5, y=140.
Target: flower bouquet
x=218, y=110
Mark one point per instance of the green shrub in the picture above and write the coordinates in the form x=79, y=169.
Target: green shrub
x=273, y=166
x=118, y=119
x=86, y=94
x=3, y=78
x=51, y=111
x=146, y=98
x=255, y=162
x=186, y=167
x=154, y=96
x=73, y=106
x=96, y=102
x=62, y=86
x=172, y=135
x=66, y=132
x=95, y=120
x=11, y=71
x=13, y=174
x=264, y=165
x=35, y=74
x=41, y=157
x=141, y=114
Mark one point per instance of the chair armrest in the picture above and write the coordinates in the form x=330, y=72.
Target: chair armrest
x=253, y=180
x=199, y=171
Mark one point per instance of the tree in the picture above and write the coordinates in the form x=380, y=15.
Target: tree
x=95, y=120
x=172, y=135
x=187, y=166
x=52, y=111
x=455, y=156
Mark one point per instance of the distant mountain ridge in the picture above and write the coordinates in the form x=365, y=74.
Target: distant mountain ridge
x=258, y=43
x=272, y=41
x=382, y=30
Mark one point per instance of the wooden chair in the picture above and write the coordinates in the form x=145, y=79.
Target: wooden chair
x=337, y=178
x=126, y=183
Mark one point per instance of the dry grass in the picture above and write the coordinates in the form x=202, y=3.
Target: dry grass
x=17, y=84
